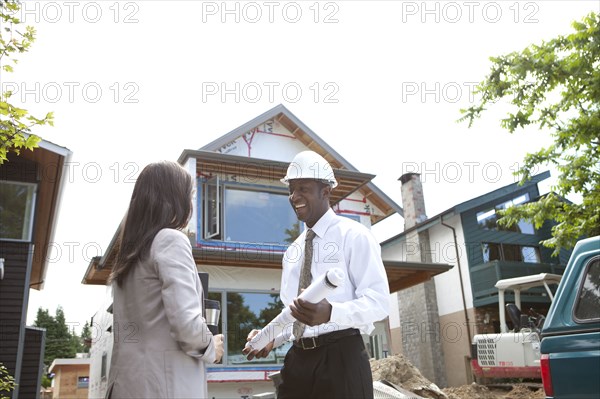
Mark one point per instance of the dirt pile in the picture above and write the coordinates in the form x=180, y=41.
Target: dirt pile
x=398, y=370
x=470, y=391
x=523, y=392
x=518, y=391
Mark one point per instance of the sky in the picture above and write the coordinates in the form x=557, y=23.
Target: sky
x=132, y=82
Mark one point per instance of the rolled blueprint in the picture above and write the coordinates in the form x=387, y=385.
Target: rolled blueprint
x=314, y=293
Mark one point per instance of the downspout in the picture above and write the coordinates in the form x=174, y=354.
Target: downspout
x=462, y=286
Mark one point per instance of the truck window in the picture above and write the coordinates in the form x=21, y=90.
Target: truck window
x=587, y=307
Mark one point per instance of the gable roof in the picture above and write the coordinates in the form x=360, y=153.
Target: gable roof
x=315, y=143
x=470, y=204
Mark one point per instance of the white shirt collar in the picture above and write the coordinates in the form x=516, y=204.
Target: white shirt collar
x=323, y=223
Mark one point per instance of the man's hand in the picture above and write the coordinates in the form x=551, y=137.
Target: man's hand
x=251, y=354
x=311, y=314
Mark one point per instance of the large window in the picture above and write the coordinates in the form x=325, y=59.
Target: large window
x=488, y=218
x=255, y=216
x=17, y=203
x=246, y=311
x=510, y=252
x=242, y=213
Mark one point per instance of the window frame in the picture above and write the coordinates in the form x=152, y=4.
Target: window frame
x=218, y=239
x=535, y=248
x=500, y=206
x=224, y=326
x=589, y=264
x=87, y=382
x=104, y=366
x=249, y=188
x=30, y=207
x=502, y=253
x=483, y=244
x=207, y=234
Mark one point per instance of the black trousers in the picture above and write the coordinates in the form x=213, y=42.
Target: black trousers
x=339, y=369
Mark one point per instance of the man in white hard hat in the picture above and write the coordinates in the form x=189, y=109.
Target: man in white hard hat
x=328, y=358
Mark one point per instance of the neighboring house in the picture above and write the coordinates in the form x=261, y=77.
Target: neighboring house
x=31, y=186
x=443, y=314
x=241, y=226
x=71, y=378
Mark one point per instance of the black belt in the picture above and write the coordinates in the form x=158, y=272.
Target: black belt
x=325, y=339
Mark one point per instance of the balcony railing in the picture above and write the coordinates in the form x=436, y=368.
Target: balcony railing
x=485, y=276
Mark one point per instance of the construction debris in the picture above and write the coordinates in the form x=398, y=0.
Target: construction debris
x=398, y=370
x=523, y=392
x=470, y=391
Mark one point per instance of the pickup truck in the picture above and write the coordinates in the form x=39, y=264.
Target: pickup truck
x=570, y=336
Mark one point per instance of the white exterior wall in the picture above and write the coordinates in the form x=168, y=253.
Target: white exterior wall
x=233, y=278
x=243, y=390
x=102, y=342
x=395, y=251
x=394, y=311
x=357, y=205
x=447, y=285
x=270, y=141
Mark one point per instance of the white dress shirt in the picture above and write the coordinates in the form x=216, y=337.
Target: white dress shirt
x=341, y=242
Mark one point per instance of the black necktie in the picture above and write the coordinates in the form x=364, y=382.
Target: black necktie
x=305, y=277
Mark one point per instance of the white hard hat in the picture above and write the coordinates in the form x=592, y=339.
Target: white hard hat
x=310, y=165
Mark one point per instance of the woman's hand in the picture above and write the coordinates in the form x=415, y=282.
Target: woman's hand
x=218, y=341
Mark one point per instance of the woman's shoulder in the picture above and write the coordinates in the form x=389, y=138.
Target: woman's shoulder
x=170, y=243
x=168, y=233
x=170, y=237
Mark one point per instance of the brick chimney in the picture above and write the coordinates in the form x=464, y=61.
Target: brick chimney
x=418, y=304
x=413, y=201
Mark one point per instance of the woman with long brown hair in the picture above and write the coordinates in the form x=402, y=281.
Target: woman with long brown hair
x=161, y=340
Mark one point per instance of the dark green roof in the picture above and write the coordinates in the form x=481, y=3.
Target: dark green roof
x=471, y=204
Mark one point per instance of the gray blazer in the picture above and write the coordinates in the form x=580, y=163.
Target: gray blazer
x=161, y=341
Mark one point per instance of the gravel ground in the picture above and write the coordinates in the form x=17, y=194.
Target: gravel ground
x=483, y=392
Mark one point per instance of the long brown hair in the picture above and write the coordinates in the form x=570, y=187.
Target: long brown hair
x=162, y=198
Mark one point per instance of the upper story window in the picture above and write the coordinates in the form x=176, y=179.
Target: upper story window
x=587, y=307
x=488, y=218
x=510, y=252
x=234, y=212
x=17, y=205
